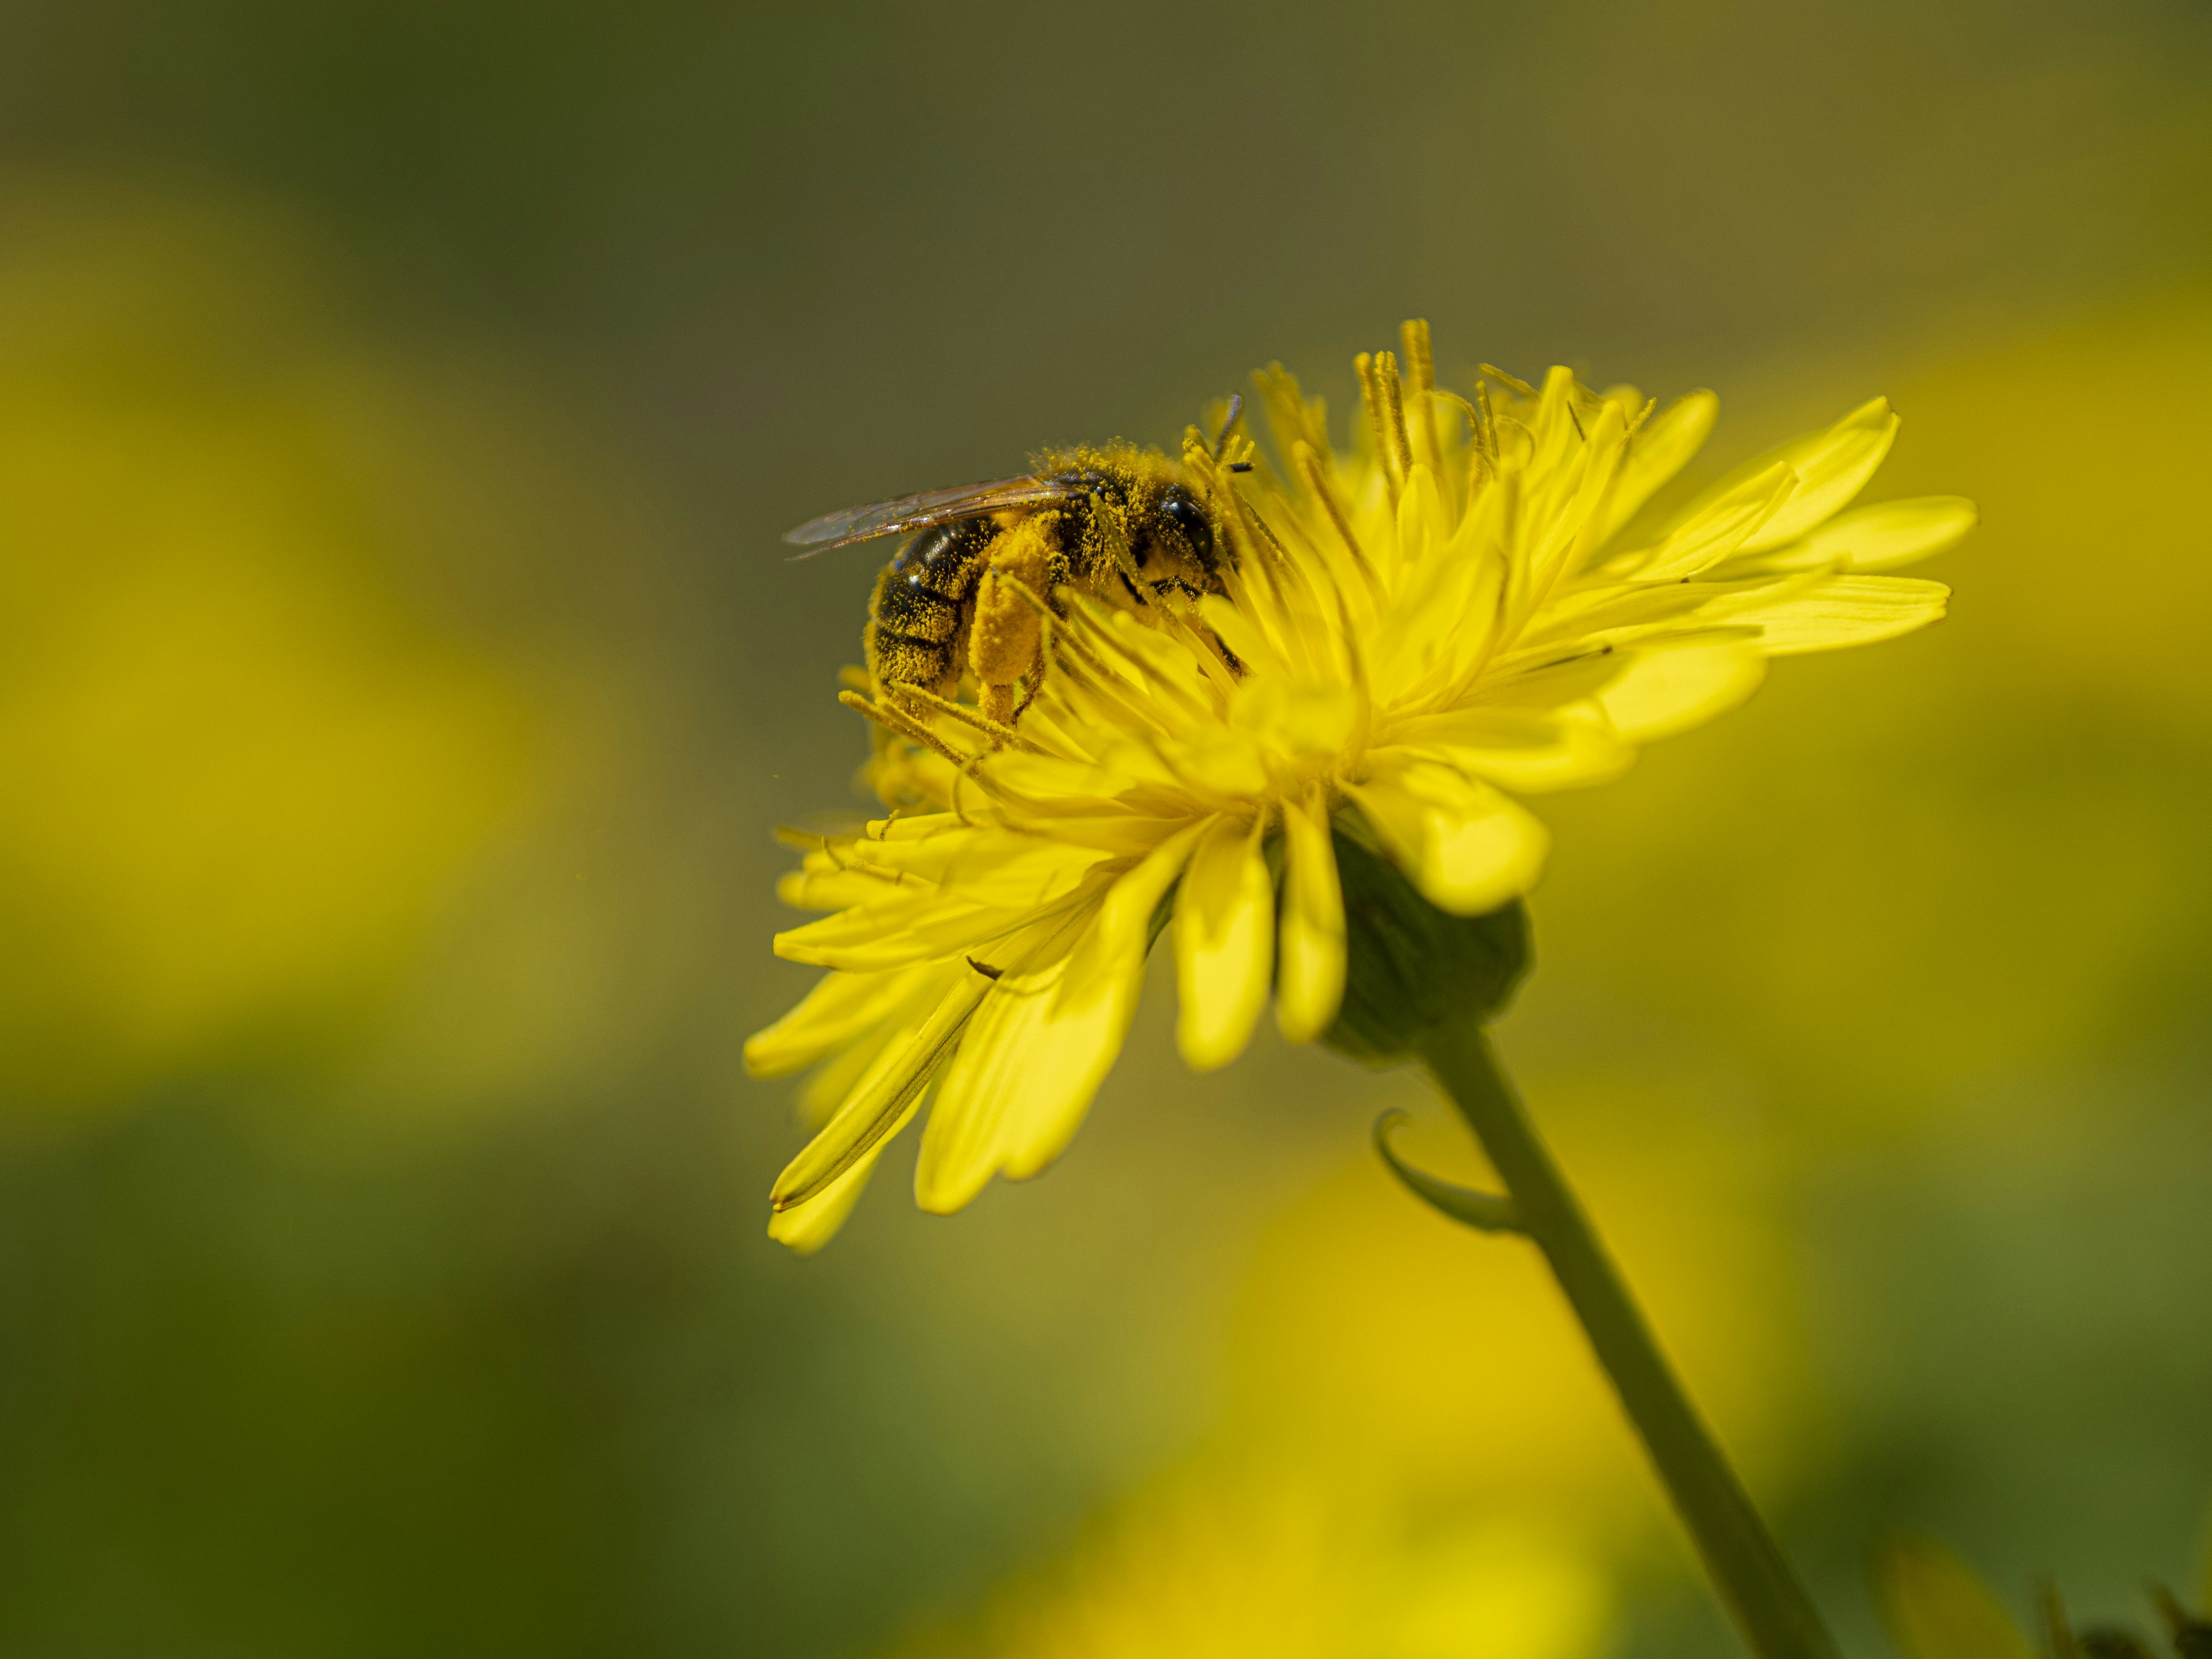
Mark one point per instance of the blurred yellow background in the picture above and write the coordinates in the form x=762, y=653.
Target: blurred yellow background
x=400, y=404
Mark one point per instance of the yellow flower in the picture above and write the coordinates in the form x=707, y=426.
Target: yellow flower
x=1937, y=1608
x=1411, y=635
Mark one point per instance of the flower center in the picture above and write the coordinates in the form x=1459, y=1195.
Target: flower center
x=1303, y=726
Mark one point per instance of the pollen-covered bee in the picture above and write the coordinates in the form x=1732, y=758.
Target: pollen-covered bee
x=1121, y=523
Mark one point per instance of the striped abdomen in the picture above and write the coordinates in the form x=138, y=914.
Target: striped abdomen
x=914, y=622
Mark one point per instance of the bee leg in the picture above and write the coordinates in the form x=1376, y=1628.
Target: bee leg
x=1005, y=641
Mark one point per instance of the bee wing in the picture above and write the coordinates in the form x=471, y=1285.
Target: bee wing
x=930, y=507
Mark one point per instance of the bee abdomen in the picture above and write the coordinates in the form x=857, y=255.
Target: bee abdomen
x=916, y=612
x=922, y=591
x=942, y=559
x=921, y=598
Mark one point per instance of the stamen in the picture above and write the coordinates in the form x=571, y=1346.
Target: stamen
x=1501, y=625
x=1316, y=478
x=1310, y=641
x=1103, y=636
x=1480, y=447
x=1371, y=399
x=1489, y=424
x=1421, y=363
x=1123, y=706
x=1116, y=537
x=1355, y=661
x=966, y=715
x=1394, y=405
x=1081, y=663
x=1504, y=379
x=1201, y=462
x=1286, y=582
x=1346, y=639
x=1243, y=549
x=1229, y=421
x=1214, y=658
x=893, y=718
x=1253, y=542
x=1290, y=418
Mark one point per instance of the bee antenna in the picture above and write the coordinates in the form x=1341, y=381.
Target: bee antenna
x=1228, y=426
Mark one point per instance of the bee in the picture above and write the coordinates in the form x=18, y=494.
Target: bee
x=1123, y=524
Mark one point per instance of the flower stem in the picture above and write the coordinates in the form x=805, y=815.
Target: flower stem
x=1769, y=1606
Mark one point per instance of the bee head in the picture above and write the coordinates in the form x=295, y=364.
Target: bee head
x=1137, y=501
x=1180, y=509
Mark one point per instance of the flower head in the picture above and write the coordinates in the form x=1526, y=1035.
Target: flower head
x=1410, y=635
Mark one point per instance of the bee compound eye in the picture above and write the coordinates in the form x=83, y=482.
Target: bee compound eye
x=1178, y=509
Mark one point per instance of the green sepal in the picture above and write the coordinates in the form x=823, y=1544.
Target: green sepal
x=1489, y=1212
x=1410, y=967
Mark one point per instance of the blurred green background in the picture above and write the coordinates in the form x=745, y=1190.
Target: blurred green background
x=399, y=404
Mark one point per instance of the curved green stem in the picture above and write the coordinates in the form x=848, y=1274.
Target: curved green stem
x=1769, y=1606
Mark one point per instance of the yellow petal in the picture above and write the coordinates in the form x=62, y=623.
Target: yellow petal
x=1936, y=1607
x=1122, y=831
x=1598, y=615
x=1832, y=467
x=1444, y=611
x=1884, y=536
x=830, y=890
x=1422, y=526
x=1054, y=778
x=836, y=1079
x=1104, y=981
x=1219, y=762
x=1661, y=692
x=984, y=865
x=807, y=1228
x=1242, y=636
x=1838, y=611
x=1225, y=943
x=1163, y=660
x=1660, y=449
x=884, y=1099
x=839, y=1008
x=896, y=933
x=1554, y=419
x=1466, y=847
x=1526, y=750
x=1310, y=962
x=1013, y=1057
x=1551, y=685
x=1295, y=716
x=1042, y=1043
x=1722, y=526
x=1574, y=533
